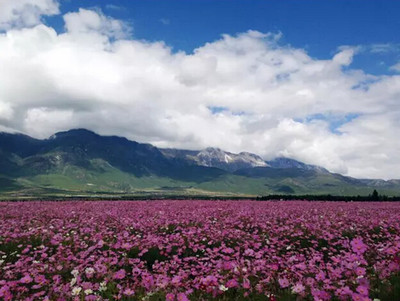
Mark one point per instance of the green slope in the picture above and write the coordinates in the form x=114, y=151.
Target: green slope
x=72, y=180
x=81, y=163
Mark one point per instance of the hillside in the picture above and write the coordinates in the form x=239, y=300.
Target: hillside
x=80, y=162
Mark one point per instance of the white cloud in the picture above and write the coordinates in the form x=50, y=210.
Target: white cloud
x=88, y=22
x=344, y=57
x=395, y=67
x=384, y=48
x=6, y=111
x=25, y=13
x=90, y=77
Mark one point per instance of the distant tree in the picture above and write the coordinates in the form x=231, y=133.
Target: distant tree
x=375, y=195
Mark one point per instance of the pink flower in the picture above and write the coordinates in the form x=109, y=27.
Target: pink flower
x=148, y=281
x=228, y=250
x=176, y=280
x=232, y=283
x=26, y=279
x=298, y=288
x=129, y=292
x=227, y=265
x=320, y=276
x=182, y=297
x=210, y=281
x=358, y=246
x=4, y=290
x=40, y=279
x=246, y=283
x=357, y=297
x=283, y=282
x=120, y=274
x=363, y=290
x=360, y=271
x=343, y=291
x=170, y=297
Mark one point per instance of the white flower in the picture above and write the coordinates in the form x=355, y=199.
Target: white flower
x=223, y=288
x=103, y=286
x=75, y=273
x=1, y=261
x=88, y=291
x=76, y=290
x=89, y=271
x=73, y=281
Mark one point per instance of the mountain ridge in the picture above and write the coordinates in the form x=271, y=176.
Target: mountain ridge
x=81, y=161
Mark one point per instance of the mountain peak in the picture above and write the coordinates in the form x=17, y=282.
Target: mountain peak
x=216, y=157
x=74, y=133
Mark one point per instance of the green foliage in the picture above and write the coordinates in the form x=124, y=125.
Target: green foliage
x=388, y=290
x=151, y=256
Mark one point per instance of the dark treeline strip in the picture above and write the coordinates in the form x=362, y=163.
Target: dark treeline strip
x=374, y=197
x=331, y=198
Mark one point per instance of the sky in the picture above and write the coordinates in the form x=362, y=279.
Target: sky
x=316, y=81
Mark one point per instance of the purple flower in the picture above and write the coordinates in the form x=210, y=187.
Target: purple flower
x=129, y=292
x=283, y=282
x=182, y=297
x=119, y=274
x=362, y=290
x=232, y=283
x=298, y=288
x=26, y=279
x=360, y=271
x=358, y=246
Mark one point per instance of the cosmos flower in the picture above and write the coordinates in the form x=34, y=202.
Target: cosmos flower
x=283, y=282
x=298, y=288
x=129, y=292
x=358, y=246
x=119, y=274
x=26, y=279
x=182, y=297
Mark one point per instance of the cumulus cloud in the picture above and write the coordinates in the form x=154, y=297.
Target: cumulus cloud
x=92, y=76
x=25, y=13
x=89, y=22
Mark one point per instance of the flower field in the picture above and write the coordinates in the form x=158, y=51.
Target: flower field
x=199, y=250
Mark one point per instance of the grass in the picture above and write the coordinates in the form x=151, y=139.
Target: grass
x=103, y=179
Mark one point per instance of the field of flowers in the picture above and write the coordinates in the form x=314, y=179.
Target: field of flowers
x=199, y=250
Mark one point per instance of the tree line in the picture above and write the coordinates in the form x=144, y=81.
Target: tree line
x=373, y=197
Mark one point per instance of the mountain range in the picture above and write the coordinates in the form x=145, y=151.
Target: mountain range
x=82, y=163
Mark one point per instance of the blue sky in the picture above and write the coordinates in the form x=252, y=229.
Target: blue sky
x=320, y=27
